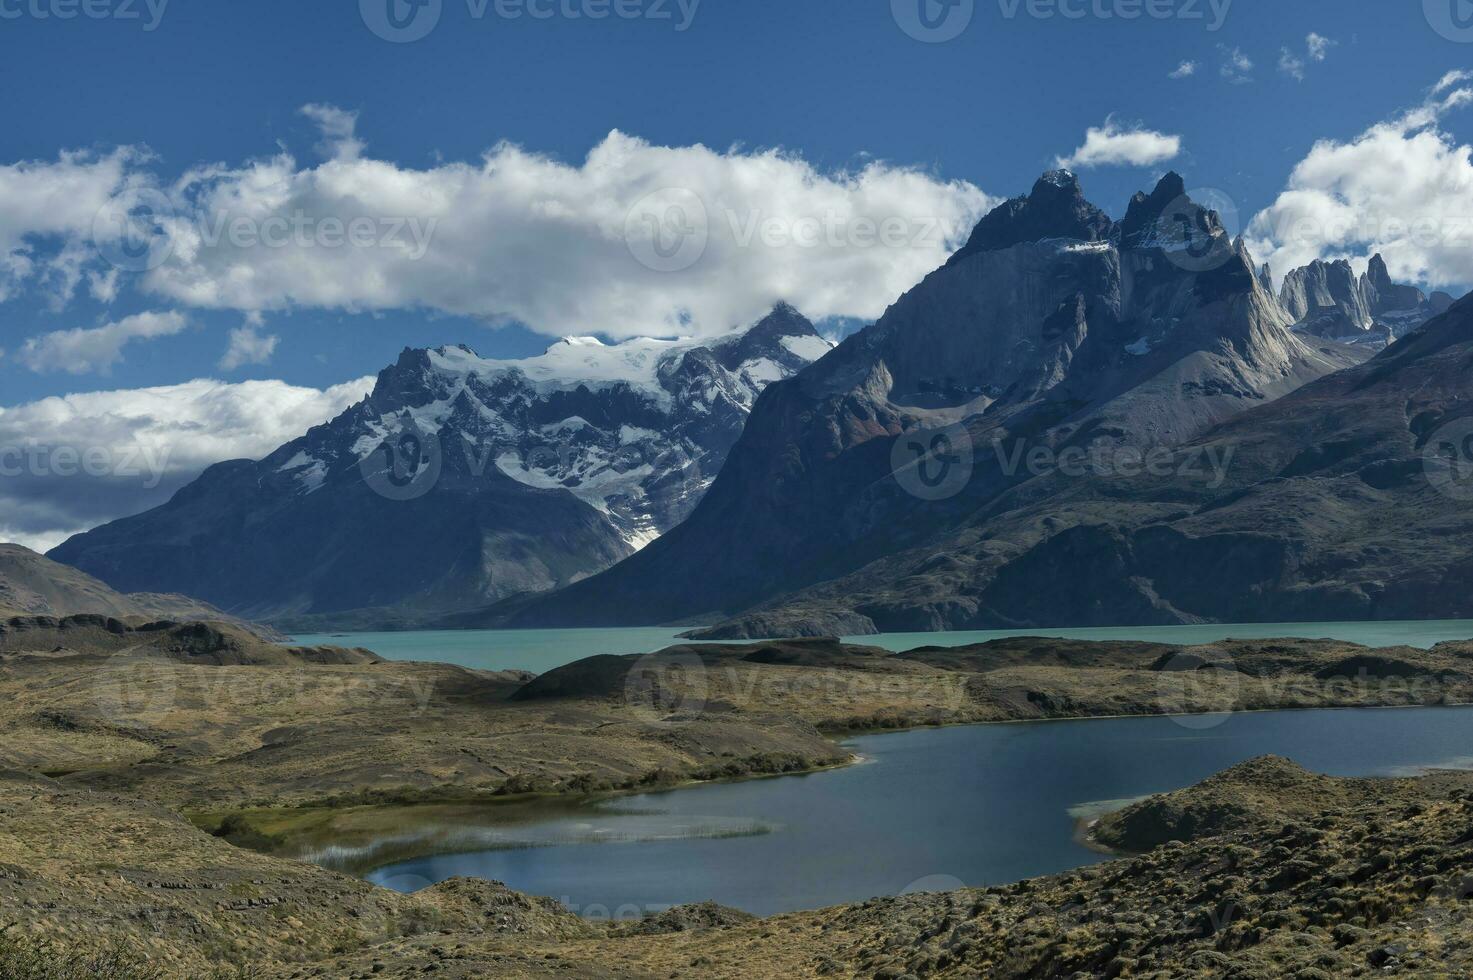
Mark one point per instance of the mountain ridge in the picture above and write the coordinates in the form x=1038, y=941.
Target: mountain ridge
x=1143, y=335
x=459, y=480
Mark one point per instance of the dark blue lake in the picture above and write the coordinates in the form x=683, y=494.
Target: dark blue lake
x=927, y=810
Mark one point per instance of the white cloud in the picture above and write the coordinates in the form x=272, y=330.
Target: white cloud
x=522, y=236
x=1316, y=48
x=338, y=127
x=248, y=346
x=1237, y=67
x=1291, y=65
x=1403, y=188
x=85, y=350
x=1456, y=77
x=44, y=200
x=1185, y=70
x=74, y=462
x=1113, y=144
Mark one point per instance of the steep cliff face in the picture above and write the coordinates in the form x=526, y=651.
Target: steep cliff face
x=1327, y=299
x=1052, y=329
x=1345, y=500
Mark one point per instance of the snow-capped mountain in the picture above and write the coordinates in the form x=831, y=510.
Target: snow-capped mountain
x=637, y=430
x=1055, y=331
x=460, y=480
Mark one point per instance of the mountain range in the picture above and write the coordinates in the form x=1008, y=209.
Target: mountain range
x=1076, y=421
x=459, y=481
x=1144, y=434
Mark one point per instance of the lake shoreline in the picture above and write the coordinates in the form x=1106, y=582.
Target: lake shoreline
x=226, y=723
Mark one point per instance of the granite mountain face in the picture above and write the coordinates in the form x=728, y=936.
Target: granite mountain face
x=459, y=481
x=1327, y=299
x=1057, y=335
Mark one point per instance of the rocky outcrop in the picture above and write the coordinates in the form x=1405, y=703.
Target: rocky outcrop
x=1386, y=296
x=1327, y=299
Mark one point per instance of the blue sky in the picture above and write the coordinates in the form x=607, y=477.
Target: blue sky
x=807, y=107
x=833, y=80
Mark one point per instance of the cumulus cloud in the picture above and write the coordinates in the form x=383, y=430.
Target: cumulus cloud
x=1237, y=67
x=68, y=464
x=1184, y=70
x=248, y=346
x=1113, y=145
x=87, y=350
x=1318, y=46
x=566, y=248
x=1403, y=188
x=339, y=128
x=57, y=201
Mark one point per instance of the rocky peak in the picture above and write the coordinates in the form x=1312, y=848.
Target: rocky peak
x=784, y=337
x=1327, y=299
x=1055, y=208
x=1327, y=290
x=1386, y=296
x=1145, y=210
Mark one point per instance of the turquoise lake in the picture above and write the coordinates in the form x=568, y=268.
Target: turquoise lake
x=541, y=650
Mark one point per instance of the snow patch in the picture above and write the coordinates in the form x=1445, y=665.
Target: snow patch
x=763, y=371
x=809, y=348
x=298, y=461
